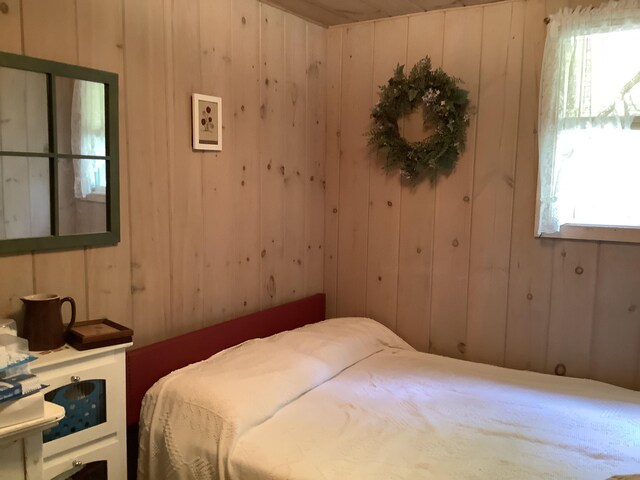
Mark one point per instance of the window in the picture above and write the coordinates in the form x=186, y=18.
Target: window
x=589, y=172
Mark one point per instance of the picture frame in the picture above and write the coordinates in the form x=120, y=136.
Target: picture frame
x=207, y=122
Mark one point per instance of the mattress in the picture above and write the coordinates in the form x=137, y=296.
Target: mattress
x=348, y=399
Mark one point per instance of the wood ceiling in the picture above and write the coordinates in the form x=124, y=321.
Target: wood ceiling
x=336, y=12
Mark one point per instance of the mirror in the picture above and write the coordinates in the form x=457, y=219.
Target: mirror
x=58, y=155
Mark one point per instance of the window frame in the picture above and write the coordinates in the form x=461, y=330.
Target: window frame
x=589, y=232
x=55, y=241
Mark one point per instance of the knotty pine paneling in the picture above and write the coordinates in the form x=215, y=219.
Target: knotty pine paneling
x=332, y=167
x=390, y=47
x=458, y=271
x=192, y=222
x=461, y=57
x=272, y=154
x=315, y=157
x=353, y=196
x=493, y=179
x=417, y=205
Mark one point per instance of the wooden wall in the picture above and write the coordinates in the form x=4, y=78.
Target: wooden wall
x=205, y=236
x=455, y=269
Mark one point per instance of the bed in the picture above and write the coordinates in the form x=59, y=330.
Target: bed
x=347, y=398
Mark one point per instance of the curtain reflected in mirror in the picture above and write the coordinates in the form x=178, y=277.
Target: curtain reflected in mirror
x=82, y=182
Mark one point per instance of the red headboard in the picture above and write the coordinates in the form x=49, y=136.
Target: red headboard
x=148, y=364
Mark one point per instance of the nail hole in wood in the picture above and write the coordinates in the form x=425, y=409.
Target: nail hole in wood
x=4, y=8
x=462, y=347
x=466, y=198
x=579, y=270
x=244, y=20
x=390, y=203
x=455, y=242
x=335, y=210
x=263, y=253
x=418, y=250
x=529, y=296
x=560, y=370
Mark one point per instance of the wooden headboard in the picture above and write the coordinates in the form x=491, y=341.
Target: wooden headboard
x=148, y=364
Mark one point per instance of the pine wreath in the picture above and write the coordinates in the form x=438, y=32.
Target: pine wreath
x=444, y=107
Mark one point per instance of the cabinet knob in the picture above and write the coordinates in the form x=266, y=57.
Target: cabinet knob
x=75, y=379
x=76, y=463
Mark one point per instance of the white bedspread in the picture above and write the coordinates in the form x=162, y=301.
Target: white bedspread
x=347, y=399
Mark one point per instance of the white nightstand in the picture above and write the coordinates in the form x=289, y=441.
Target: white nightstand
x=90, y=384
x=21, y=445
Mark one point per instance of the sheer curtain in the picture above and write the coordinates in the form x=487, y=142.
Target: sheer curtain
x=589, y=96
x=87, y=135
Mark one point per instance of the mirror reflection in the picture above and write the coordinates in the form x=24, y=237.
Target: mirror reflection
x=25, y=207
x=58, y=156
x=24, y=181
x=82, y=182
x=78, y=213
x=80, y=115
x=23, y=111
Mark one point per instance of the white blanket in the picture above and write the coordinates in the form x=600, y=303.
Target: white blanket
x=347, y=399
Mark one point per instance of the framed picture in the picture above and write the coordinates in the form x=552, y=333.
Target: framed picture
x=207, y=122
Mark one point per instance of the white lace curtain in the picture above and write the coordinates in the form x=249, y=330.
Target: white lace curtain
x=87, y=134
x=589, y=95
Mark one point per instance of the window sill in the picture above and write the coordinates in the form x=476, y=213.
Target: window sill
x=597, y=233
x=94, y=198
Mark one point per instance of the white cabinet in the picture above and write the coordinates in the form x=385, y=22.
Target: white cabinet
x=90, y=442
x=21, y=445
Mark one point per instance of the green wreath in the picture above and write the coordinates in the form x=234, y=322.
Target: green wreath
x=444, y=107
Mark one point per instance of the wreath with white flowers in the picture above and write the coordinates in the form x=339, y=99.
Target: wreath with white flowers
x=444, y=108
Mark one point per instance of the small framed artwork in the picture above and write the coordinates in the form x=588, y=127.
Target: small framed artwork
x=207, y=122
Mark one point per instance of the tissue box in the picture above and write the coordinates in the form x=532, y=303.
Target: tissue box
x=19, y=386
x=22, y=410
x=8, y=327
x=14, y=351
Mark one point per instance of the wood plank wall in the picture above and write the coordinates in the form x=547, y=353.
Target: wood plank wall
x=205, y=236
x=455, y=269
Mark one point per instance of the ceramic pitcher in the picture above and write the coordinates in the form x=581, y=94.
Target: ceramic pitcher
x=43, y=325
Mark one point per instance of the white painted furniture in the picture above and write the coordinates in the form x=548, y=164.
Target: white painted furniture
x=21, y=445
x=91, y=384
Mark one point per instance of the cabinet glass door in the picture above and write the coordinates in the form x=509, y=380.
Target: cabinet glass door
x=85, y=405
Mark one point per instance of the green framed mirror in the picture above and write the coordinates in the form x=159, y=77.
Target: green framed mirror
x=58, y=156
